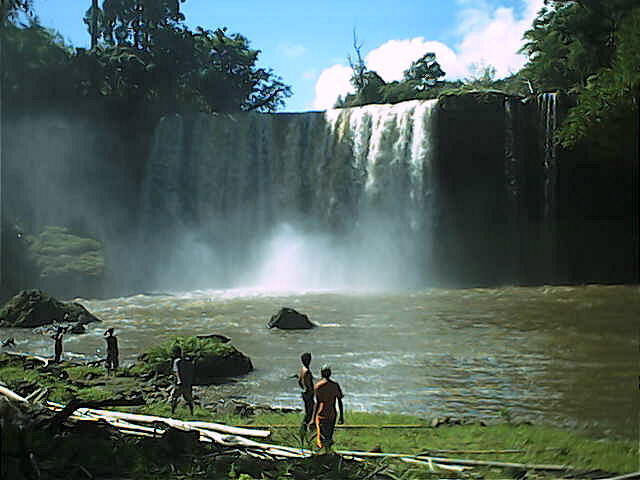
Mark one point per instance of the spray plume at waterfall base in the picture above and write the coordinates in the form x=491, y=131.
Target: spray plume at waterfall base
x=335, y=200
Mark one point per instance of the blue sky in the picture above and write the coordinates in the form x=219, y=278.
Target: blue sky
x=307, y=43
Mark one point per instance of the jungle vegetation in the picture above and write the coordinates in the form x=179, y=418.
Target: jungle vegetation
x=142, y=57
x=588, y=49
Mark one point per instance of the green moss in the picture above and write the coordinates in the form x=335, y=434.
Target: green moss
x=158, y=358
x=57, y=252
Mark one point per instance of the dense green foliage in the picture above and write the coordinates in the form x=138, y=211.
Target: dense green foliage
x=586, y=48
x=143, y=57
x=158, y=358
x=57, y=252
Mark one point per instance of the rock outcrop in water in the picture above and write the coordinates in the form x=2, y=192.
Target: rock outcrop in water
x=34, y=308
x=214, y=358
x=290, y=319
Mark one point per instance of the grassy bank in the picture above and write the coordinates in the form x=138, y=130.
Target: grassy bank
x=103, y=453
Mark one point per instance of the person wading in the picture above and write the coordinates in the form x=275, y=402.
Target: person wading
x=305, y=380
x=327, y=392
x=58, y=349
x=112, y=361
x=184, y=370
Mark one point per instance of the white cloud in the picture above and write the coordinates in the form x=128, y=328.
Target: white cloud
x=490, y=36
x=391, y=59
x=332, y=82
x=494, y=37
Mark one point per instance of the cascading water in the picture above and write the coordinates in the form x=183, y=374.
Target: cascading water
x=291, y=201
x=547, y=104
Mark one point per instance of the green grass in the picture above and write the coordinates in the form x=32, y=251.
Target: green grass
x=151, y=458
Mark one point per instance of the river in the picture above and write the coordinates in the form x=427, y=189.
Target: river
x=566, y=356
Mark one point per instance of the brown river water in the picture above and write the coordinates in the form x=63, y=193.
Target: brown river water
x=565, y=356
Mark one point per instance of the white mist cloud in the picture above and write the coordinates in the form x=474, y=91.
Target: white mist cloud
x=489, y=36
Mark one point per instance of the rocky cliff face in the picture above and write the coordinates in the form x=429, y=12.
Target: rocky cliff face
x=467, y=190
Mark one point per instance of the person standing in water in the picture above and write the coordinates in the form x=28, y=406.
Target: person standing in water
x=305, y=380
x=112, y=362
x=58, y=347
x=327, y=392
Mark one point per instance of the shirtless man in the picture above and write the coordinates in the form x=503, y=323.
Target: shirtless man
x=305, y=380
x=327, y=392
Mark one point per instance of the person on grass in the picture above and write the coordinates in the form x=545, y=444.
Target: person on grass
x=184, y=370
x=327, y=393
x=112, y=362
x=305, y=380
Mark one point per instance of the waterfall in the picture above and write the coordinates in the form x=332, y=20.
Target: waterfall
x=319, y=199
x=547, y=104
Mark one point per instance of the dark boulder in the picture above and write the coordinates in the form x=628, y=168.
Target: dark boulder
x=290, y=319
x=34, y=308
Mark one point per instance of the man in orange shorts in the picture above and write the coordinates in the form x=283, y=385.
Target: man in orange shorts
x=327, y=392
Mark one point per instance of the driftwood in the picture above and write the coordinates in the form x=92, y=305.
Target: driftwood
x=12, y=395
x=135, y=417
x=76, y=403
x=29, y=356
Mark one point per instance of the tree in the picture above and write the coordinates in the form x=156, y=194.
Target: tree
x=611, y=91
x=587, y=48
x=424, y=73
x=481, y=75
x=9, y=9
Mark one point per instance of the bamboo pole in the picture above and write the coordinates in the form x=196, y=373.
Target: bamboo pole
x=12, y=395
x=228, y=440
x=451, y=468
x=628, y=476
x=283, y=425
x=459, y=461
x=28, y=356
x=136, y=417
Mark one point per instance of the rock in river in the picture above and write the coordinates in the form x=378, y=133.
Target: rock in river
x=290, y=319
x=34, y=308
x=214, y=358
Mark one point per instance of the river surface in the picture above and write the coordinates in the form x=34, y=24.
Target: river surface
x=558, y=355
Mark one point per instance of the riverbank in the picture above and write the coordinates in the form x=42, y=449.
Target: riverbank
x=96, y=452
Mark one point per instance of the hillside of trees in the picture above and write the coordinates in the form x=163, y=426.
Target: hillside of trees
x=143, y=57
x=588, y=49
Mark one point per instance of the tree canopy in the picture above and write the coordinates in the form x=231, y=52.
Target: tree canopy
x=589, y=48
x=142, y=53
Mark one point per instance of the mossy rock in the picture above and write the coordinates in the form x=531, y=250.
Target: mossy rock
x=213, y=358
x=56, y=252
x=34, y=308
